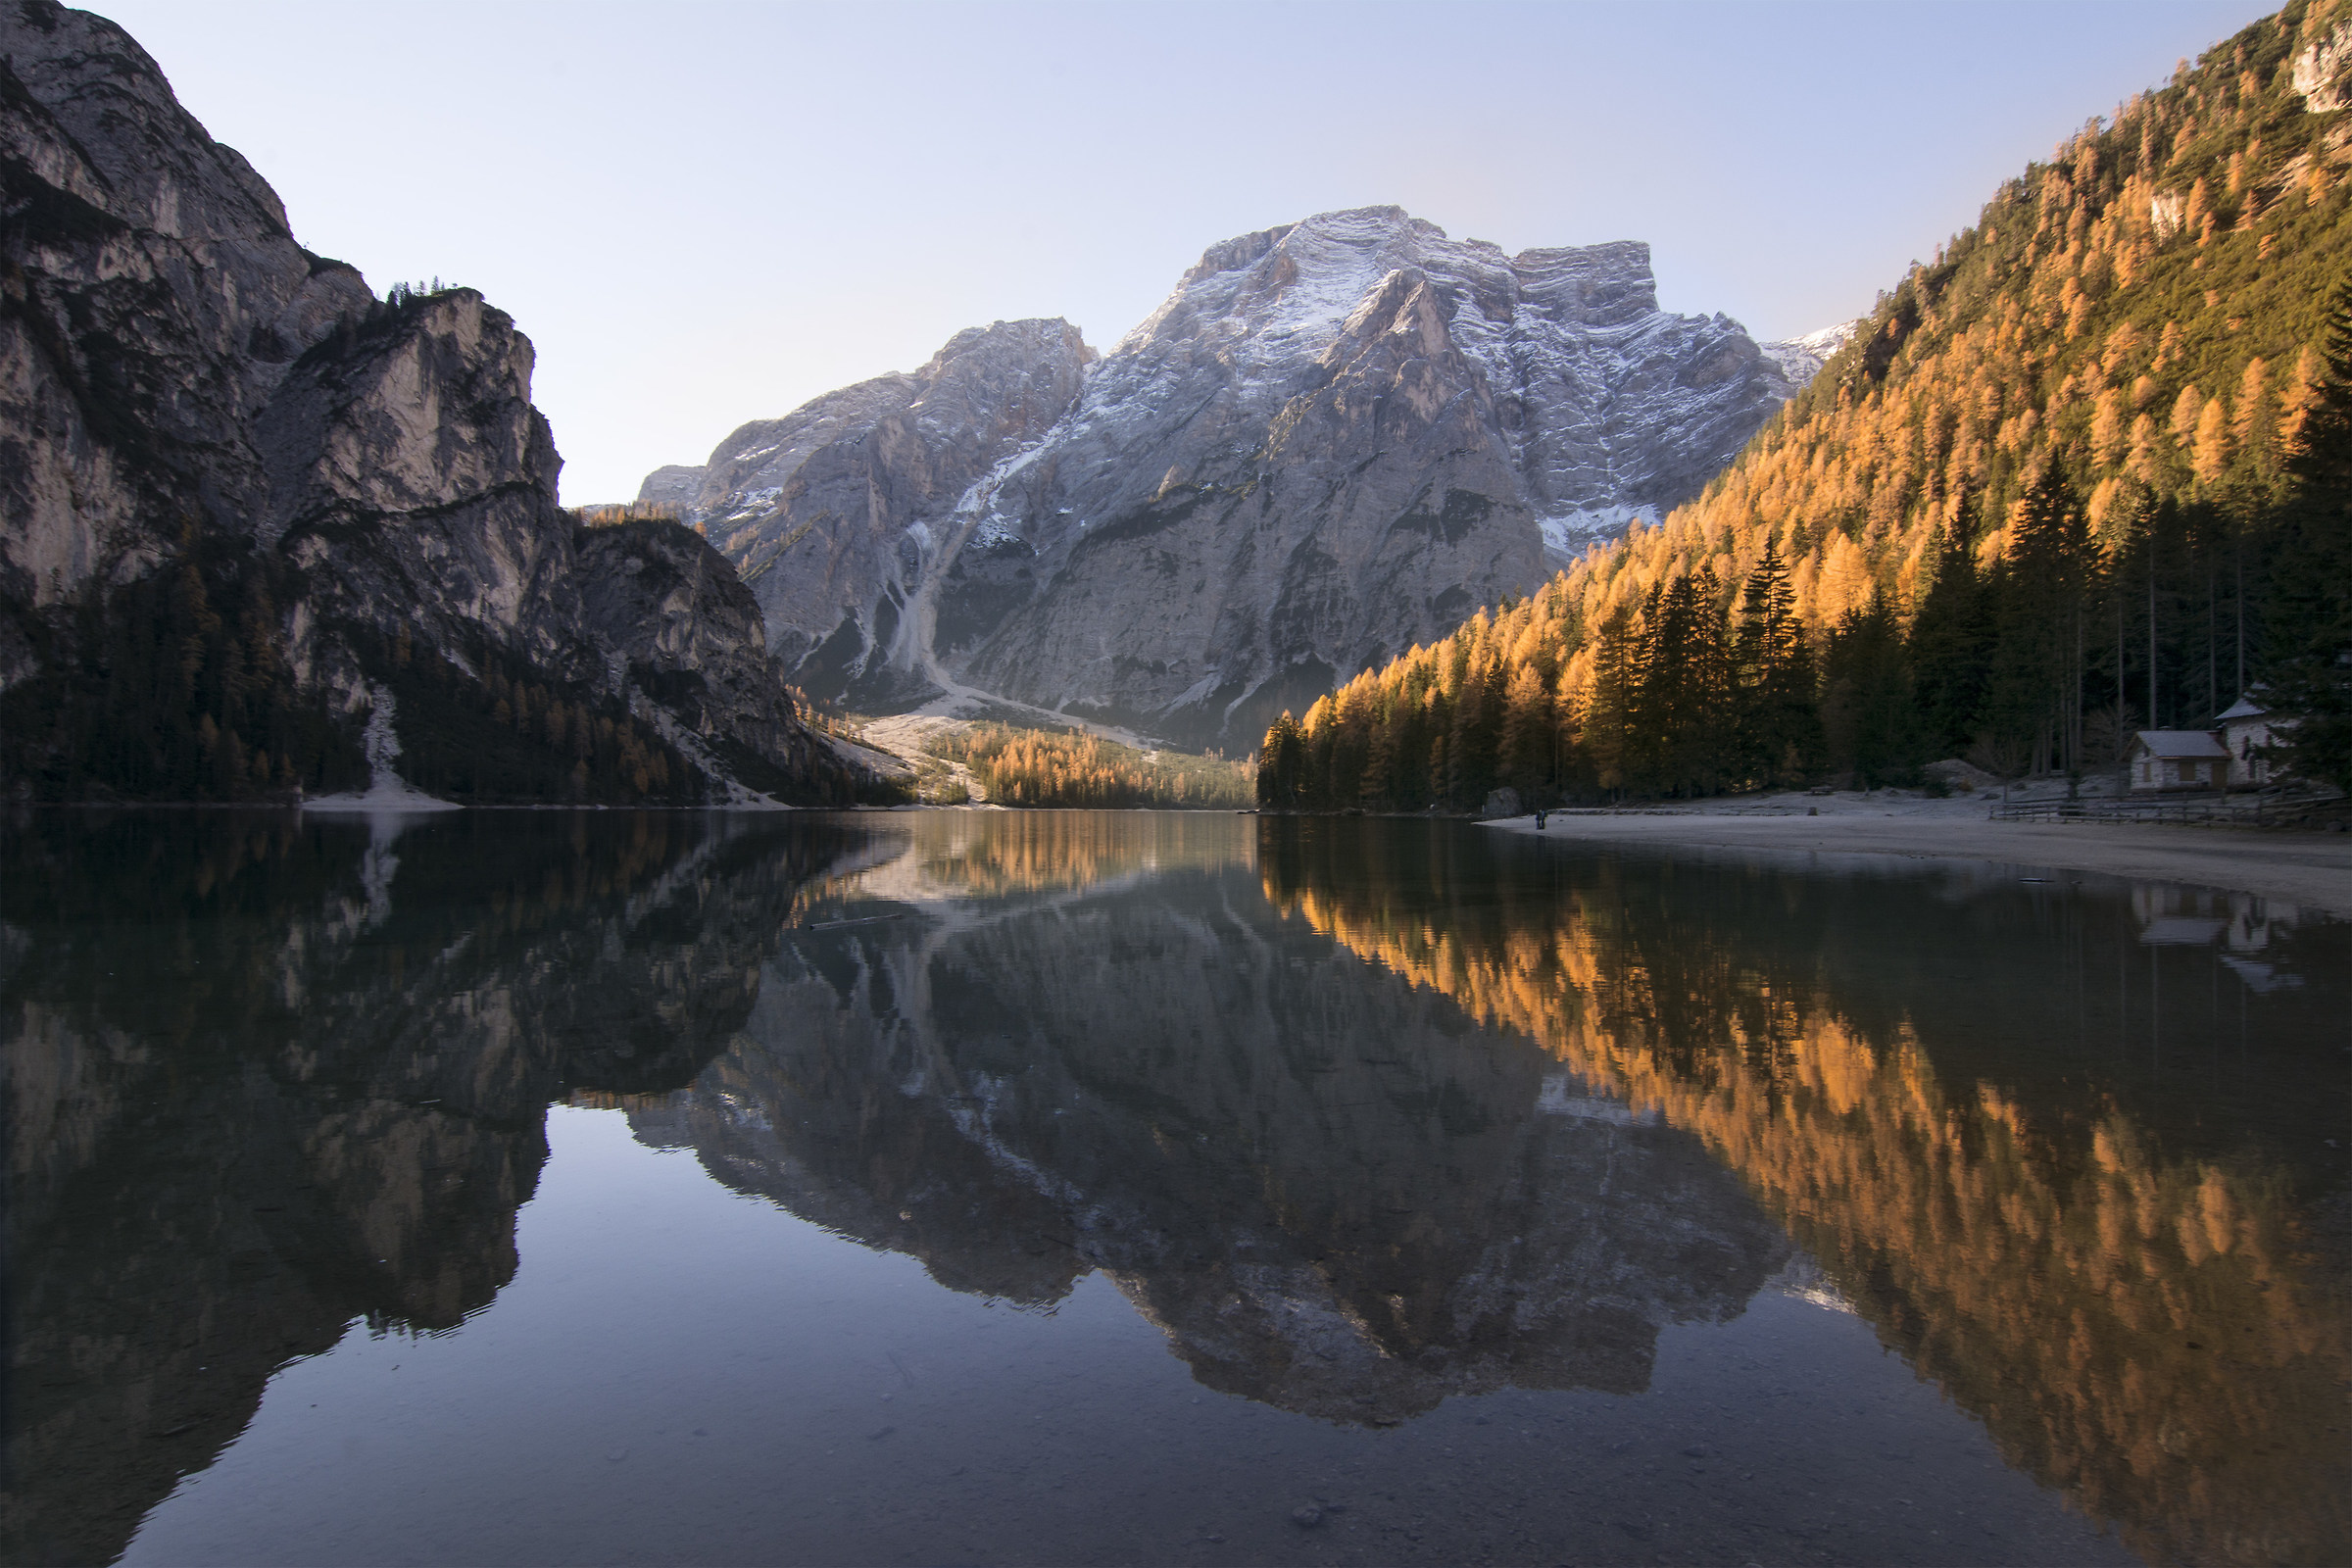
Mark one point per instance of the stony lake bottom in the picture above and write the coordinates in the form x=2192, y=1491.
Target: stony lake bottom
x=1073, y=1188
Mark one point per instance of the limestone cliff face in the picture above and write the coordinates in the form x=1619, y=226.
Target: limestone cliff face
x=353, y=484
x=1333, y=439
x=151, y=302
x=687, y=634
x=833, y=512
x=413, y=483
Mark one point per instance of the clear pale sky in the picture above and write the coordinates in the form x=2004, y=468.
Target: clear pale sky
x=704, y=213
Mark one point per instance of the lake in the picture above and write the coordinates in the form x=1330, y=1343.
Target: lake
x=544, y=1187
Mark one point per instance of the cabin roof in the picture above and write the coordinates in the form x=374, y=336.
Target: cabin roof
x=2183, y=744
x=2243, y=708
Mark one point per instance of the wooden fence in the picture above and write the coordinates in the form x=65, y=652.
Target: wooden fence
x=2213, y=808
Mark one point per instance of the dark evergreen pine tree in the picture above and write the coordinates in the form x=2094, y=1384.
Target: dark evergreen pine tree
x=2307, y=669
x=1711, y=737
x=1951, y=640
x=1655, y=678
x=1774, y=727
x=1379, y=786
x=2034, y=696
x=1870, y=711
x=1528, y=751
x=1475, y=735
x=1282, y=765
x=1680, y=728
x=1608, y=727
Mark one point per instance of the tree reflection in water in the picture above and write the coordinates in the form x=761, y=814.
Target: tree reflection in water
x=268, y=1076
x=2143, y=1299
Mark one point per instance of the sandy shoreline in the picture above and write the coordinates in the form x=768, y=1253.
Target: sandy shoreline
x=2310, y=869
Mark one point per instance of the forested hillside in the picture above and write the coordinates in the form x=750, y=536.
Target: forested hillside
x=1045, y=768
x=2084, y=474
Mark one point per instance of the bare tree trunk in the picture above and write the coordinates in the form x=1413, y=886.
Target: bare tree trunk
x=2073, y=735
x=2240, y=617
x=2154, y=722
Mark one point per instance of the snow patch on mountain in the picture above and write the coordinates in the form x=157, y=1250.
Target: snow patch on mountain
x=1801, y=359
x=1569, y=534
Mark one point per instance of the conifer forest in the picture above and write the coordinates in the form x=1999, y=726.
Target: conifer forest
x=2087, y=472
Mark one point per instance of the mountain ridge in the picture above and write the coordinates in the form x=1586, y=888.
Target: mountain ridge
x=1417, y=419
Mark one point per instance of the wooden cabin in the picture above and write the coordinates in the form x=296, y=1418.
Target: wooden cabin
x=2180, y=759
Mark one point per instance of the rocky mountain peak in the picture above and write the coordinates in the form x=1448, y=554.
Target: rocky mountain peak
x=1019, y=374
x=1330, y=440
x=1801, y=359
x=1002, y=339
x=120, y=138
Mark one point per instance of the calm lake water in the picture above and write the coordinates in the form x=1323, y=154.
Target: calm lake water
x=1072, y=1188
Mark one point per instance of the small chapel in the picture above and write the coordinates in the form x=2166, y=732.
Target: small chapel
x=2238, y=752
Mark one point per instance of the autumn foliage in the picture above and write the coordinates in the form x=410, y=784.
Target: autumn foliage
x=2062, y=484
x=2067, y=1279
x=1052, y=767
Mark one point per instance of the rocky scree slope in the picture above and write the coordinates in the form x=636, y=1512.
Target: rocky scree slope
x=1331, y=441
x=242, y=501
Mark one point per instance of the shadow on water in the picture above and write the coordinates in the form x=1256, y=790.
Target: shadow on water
x=253, y=1094
x=1361, y=1116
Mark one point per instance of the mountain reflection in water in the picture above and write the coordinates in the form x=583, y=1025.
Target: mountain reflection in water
x=1331, y=1193
x=269, y=1074
x=1361, y=1116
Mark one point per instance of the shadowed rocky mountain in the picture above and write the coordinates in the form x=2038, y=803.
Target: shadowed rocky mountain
x=324, y=1099
x=1333, y=440
x=246, y=503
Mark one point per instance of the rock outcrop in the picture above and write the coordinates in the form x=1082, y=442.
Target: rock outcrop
x=1333, y=440
x=212, y=438
x=2321, y=74
x=686, y=633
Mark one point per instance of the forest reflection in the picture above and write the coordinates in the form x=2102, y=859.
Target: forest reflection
x=967, y=854
x=1362, y=1115
x=2144, y=1302
x=1316, y=1181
